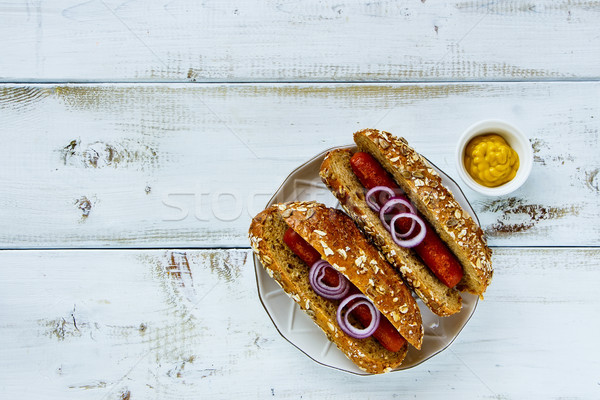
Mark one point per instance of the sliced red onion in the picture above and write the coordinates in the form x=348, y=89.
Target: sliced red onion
x=350, y=329
x=371, y=202
x=391, y=204
x=400, y=239
x=315, y=276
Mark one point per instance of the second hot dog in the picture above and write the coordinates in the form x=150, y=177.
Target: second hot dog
x=446, y=239
x=434, y=253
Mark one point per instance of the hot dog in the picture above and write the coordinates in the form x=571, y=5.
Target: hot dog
x=289, y=238
x=452, y=256
x=386, y=334
x=434, y=253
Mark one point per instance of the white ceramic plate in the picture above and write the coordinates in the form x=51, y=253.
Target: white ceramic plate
x=294, y=325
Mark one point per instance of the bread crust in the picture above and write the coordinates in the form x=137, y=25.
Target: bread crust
x=339, y=241
x=310, y=220
x=336, y=172
x=424, y=187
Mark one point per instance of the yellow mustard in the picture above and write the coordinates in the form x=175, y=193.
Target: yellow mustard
x=490, y=160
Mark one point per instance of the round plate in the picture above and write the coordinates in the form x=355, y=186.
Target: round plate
x=294, y=325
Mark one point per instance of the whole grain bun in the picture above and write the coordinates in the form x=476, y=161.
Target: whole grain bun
x=436, y=203
x=337, y=174
x=340, y=243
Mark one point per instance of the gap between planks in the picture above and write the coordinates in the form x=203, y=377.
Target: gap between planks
x=249, y=248
x=298, y=82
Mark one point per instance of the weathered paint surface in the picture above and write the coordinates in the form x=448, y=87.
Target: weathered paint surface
x=311, y=40
x=176, y=165
x=170, y=324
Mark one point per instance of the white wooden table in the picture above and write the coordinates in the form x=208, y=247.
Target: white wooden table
x=139, y=137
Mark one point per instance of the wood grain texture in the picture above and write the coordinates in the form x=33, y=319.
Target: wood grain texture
x=171, y=163
x=175, y=165
x=312, y=40
x=161, y=324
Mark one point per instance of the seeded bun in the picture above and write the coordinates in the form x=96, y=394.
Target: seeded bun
x=425, y=189
x=340, y=243
x=434, y=201
x=337, y=174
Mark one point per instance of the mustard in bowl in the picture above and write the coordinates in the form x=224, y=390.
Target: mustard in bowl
x=490, y=160
x=494, y=158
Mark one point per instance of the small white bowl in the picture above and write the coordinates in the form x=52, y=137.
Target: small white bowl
x=515, y=139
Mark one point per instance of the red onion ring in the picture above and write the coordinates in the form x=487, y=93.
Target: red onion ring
x=315, y=276
x=369, y=197
x=399, y=239
x=347, y=327
x=390, y=204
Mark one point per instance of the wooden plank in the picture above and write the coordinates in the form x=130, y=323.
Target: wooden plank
x=313, y=40
x=188, y=324
x=174, y=165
